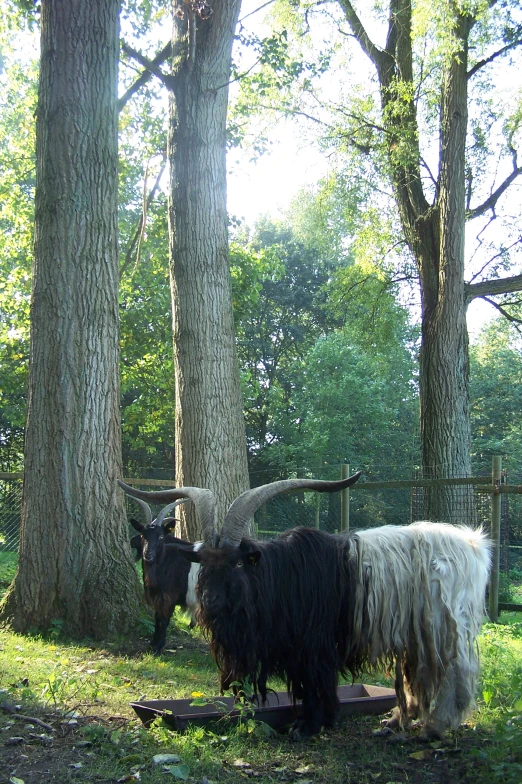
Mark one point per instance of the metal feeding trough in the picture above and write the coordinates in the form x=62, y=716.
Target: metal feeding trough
x=278, y=711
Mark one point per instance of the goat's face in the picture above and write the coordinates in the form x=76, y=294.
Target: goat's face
x=224, y=578
x=152, y=539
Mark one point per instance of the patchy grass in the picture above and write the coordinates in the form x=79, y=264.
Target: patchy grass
x=82, y=694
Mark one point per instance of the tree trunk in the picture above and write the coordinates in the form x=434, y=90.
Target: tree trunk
x=210, y=433
x=435, y=235
x=74, y=563
x=444, y=359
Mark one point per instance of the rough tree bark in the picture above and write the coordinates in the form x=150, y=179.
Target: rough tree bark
x=74, y=563
x=435, y=234
x=210, y=433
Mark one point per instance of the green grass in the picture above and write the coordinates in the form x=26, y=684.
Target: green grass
x=8, y=562
x=84, y=690
x=93, y=686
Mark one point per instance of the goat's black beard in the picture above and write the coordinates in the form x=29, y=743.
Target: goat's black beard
x=234, y=648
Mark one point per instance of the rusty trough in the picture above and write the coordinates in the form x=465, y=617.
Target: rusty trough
x=277, y=712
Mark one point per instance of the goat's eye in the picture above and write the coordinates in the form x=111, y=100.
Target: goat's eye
x=239, y=564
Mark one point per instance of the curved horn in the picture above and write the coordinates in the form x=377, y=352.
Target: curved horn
x=245, y=506
x=166, y=509
x=146, y=508
x=204, y=502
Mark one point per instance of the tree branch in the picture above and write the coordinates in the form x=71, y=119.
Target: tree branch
x=491, y=201
x=374, y=53
x=492, y=287
x=151, y=68
x=509, y=316
x=493, y=57
x=138, y=234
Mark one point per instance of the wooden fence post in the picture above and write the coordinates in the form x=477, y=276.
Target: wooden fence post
x=496, y=475
x=345, y=500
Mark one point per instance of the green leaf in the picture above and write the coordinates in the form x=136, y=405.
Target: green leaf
x=487, y=696
x=180, y=771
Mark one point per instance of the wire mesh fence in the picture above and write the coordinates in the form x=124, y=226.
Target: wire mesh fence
x=10, y=507
x=370, y=506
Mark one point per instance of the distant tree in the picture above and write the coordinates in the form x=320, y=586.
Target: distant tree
x=496, y=394
x=18, y=88
x=276, y=329
x=325, y=378
x=74, y=563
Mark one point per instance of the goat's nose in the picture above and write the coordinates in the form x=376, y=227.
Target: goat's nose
x=211, y=600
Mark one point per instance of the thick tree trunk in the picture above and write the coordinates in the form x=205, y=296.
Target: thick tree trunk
x=210, y=433
x=435, y=235
x=444, y=361
x=74, y=563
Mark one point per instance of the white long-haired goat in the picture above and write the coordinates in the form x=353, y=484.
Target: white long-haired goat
x=419, y=607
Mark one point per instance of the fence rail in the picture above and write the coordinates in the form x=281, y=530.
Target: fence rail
x=366, y=504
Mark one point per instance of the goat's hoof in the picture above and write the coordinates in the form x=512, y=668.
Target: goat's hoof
x=302, y=730
x=431, y=731
x=391, y=724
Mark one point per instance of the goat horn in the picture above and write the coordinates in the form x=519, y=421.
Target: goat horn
x=166, y=509
x=245, y=506
x=204, y=503
x=146, y=508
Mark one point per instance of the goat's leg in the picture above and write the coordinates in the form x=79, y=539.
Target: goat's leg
x=407, y=709
x=310, y=721
x=453, y=698
x=161, y=622
x=330, y=702
x=317, y=708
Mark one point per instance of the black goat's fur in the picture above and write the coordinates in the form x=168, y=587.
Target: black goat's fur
x=165, y=577
x=283, y=617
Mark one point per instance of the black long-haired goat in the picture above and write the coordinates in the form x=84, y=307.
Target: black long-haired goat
x=310, y=605
x=169, y=580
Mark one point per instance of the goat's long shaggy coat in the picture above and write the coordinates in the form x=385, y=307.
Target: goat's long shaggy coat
x=309, y=605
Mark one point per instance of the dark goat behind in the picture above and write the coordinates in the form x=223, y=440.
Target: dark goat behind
x=168, y=578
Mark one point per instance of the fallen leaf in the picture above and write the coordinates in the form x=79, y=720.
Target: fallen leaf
x=165, y=759
x=239, y=763
x=179, y=771
x=425, y=754
x=14, y=780
x=304, y=769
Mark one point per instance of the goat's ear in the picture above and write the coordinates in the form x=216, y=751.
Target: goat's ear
x=252, y=559
x=185, y=550
x=169, y=524
x=250, y=554
x=139, y=527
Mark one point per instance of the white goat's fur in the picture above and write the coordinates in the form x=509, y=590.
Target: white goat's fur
x=191, y=600
x=419, y=607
